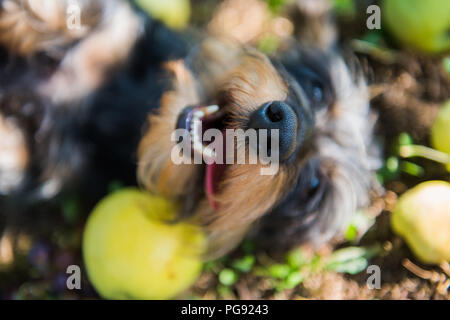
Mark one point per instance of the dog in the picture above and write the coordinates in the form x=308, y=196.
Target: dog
x=77, y=101
x=320, y=105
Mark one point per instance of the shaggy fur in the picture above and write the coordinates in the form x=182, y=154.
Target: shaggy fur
x=314, y=195
x=311, y=197
x=72, y=103
x=80, y=101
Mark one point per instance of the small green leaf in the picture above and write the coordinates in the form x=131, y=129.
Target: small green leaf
x=279, y=271
x=346, y=254
x=385, y=175
x=392, y=164
x=351, y=260
x=360, y=224
x=412, y=169
x=296, y=258
x=228, y=277
x=244, y=264
x=446, y=64
x=404, y=139
x=380, y=178
x=293, y=280
x=316, y=263
x=351, y=232
x=351, y=267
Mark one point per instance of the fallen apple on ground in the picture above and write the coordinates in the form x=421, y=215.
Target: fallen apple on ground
x=422, y=217
x=132, y=252
x=440, y=132
x=420, y=24
x=174, y=13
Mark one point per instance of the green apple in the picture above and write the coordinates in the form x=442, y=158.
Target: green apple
x=132, y=252
x=420, y=24
x=440, y=132
x=174, y=13
x=422, y=217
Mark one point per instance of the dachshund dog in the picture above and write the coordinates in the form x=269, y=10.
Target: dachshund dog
x=74, y=101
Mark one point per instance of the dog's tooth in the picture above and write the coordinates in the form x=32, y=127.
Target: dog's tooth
x=196, y=131
x=191, y=123
x=195, y=138
x=198, y=114
x=197, y=146
x=209, y=152
x=211, y=109
x=196, y=126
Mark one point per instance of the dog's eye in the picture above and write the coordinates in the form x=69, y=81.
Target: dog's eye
x=312, y=85
x=314, y=80
x=316, y=91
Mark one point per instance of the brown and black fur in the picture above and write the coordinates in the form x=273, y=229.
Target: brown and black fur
x=315, y=193
x=77, y=100
x=90, y=99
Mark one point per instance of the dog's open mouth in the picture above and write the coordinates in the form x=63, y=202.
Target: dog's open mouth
x=196, y=120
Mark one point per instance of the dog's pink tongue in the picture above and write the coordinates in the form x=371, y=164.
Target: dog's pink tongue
x=214, y=173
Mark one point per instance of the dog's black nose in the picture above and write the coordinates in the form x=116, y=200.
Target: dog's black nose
x=280, y=116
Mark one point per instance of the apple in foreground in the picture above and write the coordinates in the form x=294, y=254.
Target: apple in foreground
x=131, y=251
x=422, y=217
x=420, y=24
x=174, y=13
x=440, y=132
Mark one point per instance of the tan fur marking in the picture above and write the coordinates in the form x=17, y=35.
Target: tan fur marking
x=156, y=170
x=244, y=80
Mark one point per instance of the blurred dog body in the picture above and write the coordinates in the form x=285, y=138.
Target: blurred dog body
x=73, y=102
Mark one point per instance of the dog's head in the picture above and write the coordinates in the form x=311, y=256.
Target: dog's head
x=319, y=110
